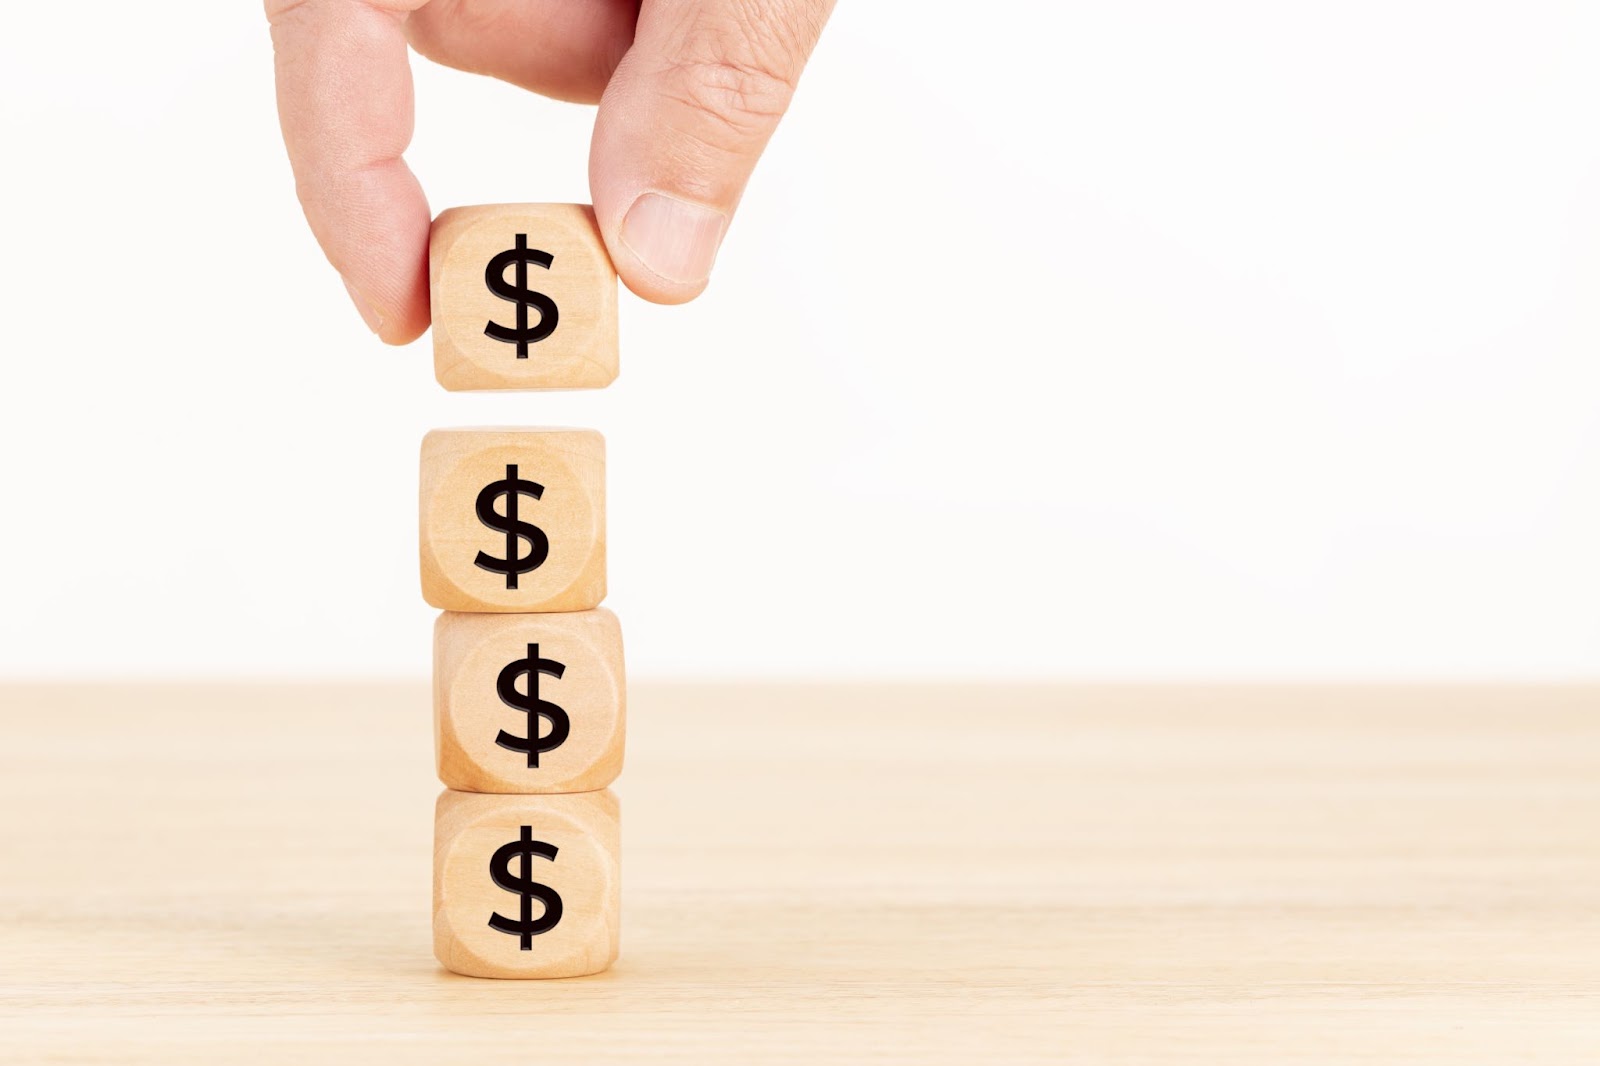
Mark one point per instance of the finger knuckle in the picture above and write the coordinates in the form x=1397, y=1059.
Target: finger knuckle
x=277, y=9
x=737, y=71
x=466, y=19
x=745, y=97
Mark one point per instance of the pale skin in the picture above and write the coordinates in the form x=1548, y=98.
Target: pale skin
x=690, y=91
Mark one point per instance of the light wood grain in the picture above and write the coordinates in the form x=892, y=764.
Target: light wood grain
x=560, y=502
x=945, y=874
x=579, y=348
x=577, y=689
x=579, y=869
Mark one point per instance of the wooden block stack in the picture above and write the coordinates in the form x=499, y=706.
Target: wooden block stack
x=529, y=689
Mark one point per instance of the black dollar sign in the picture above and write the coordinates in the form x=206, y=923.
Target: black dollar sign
x=526, y=887
x=495, y=277
x=538, y=544
x=536, y=708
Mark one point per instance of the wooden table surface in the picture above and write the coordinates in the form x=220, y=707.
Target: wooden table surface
x=979, y=874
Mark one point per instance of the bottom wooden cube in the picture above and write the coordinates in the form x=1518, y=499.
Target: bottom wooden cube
x=526, y=886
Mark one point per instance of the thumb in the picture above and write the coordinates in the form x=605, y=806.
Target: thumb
x=681, y=125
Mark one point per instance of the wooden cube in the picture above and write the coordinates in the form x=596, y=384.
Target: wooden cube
x=528, y=702
x=513, y=520
x=526, y=886
x=524, y=297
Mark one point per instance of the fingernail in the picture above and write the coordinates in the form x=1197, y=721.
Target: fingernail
x=369, y=314
x=674, y=238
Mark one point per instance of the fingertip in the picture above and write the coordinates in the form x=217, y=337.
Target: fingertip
x=374, y=225
x=630, y=235
x=681, y=125
x=648, y=287
x=399, y=325
x=364, y=307
x=645, y=282
x=344, y=93
x=409, y=323
x=663, y=237
x=412, y=311
x=670, y=245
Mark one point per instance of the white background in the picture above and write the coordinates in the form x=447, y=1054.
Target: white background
x=1110, y=340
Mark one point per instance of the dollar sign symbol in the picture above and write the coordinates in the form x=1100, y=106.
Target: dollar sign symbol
x=495, y=277
x=525, y=886
x=514, y=563
x=536, y=708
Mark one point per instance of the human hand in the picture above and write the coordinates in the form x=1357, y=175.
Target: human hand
x=689, y=92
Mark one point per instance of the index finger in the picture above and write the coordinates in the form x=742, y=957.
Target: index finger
x=345, y=105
